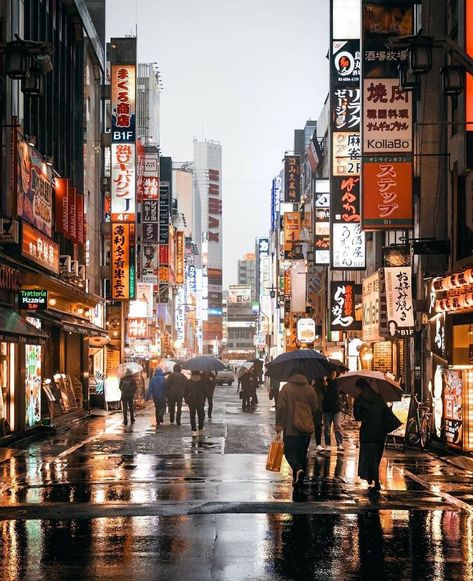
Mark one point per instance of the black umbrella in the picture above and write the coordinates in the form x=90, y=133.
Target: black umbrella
x=309, y=362
x=337, y=365
x=204, y=363
x=258, y=363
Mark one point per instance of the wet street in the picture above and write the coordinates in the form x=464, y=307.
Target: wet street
x=101, y=501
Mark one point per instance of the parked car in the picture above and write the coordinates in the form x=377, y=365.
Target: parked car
x=226, y=376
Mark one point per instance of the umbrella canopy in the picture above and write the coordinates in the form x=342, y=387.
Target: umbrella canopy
x=386, y=387
x=167, y=365
x=337, y=365
x=309, y=362
x=244, y=368
x=204, y=363
x=122, y=369
x=258, y=363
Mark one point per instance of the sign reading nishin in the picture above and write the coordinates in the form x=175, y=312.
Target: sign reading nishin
x=292, y=178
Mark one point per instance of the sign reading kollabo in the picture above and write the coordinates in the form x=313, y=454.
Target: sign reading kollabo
x=33, y=300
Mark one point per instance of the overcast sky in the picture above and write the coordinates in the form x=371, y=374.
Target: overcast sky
x=245, y=73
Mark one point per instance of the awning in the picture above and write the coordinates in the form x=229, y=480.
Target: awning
x=72, y=324
x=14, y=329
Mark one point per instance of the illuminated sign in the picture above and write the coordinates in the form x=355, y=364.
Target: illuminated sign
x=123, y=182
x=342, y=306
x=33, y=300
x=306, y=330
x=123, y=81
x=39, y=248
x=400, y=308
x=292, y=178
x=179, y=258
x=123, y=261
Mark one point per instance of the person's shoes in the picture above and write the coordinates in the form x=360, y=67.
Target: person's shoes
x=340, y=448
x=178, y=423
x=200, y=432
x=171, y=421
x=194, y=434
x=210, y=416
x=320, y=448
x=125, y=423
x=132, y=420
x=377, y=487
x=299, y=478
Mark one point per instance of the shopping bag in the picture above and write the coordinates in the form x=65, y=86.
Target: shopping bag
x=275, y=453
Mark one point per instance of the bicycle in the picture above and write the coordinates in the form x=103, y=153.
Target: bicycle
x=418, y=427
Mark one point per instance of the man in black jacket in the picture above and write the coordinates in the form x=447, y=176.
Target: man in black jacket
x=176, y=385
x=332, y=412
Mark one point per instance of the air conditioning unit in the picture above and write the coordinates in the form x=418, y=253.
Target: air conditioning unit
x=75, y=267
x=64, y=264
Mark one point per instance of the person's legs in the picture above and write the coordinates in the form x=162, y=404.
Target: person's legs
x=337, y=427
x=327, y=427
x=156, y=413
x=192, y=412
x=131, y=407
x=302, y=446
x=172, y=409
x=125, y=411
x=201, y=416
x=179, y=410
x=210, y=399
x=318, y=428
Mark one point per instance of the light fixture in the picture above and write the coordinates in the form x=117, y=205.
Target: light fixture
x=32, y=85
x=420, y=55
x=31, y=140
x=80, y=311
x=408, y=81
x=45, y=63
x=52, y=302
x=49, y=160
x=17, y=64
x=453, y=79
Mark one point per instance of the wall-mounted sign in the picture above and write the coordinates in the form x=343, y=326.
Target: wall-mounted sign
x=322, y=222
x=342, y=306
x=292, y=178
x=123, y=182
x=179, y=257
x=399, y=304
x=292, y=231
x=123, y=261
x=348, y=246
x=9, y=278
x=39, y=248
x=33, y=300
x=306, y=330
x=397, y=255
x=137, y=328
x=35, y=188
x=123, y=81
x=164, y=209
x=371, y=308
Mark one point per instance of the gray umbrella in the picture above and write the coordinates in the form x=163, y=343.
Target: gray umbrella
x=204, y=363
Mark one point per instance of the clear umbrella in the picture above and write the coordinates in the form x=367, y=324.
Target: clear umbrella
x=130, y=368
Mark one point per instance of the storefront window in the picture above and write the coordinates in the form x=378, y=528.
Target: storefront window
x=7, y=386
x=33, y=384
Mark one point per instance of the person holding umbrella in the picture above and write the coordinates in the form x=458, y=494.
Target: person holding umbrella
x=194, y=396
x=157, y=390
x=370, y=410
x=210, y=379
x=175, y=386
x=127, y=388
x=296, y=414
x=332, y=409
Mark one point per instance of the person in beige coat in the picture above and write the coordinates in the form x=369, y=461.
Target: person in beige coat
x=296, y=415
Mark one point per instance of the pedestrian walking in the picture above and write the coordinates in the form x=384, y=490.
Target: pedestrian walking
x=175, y=388
x=157, y=391
x=210, y=380
x=319, y=392
x=332, y=412
x=127, y=388
x=254, y=384
x=246, y=390
x=295, y=417
x=370, y=409
x=274, y=389
x=195, y=396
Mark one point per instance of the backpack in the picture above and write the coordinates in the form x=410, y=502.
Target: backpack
x=303, y=420
x=127, y=386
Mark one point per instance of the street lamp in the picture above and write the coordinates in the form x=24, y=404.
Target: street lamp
x=453, y=79
x=408, y=81
x=420, y=54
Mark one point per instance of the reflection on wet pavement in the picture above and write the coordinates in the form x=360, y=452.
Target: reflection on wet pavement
x=101, y=501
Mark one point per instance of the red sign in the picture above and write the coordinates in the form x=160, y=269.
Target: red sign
x=80, y=219
x=179, y=257
x=61, y=186
x=387, y=200
x=163, y=254
x=469, y=50
x=72, y=195
x=39, y=248
x=123, y=261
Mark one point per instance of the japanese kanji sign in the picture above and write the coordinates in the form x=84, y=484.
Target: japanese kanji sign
x=39, y=248
x=179, y=257
x=322, y=223
x=342, y=306
x=292, y=231
x=123, y=261
x=387, y=200
x=164, y=210
x=292, y=178
x=123, y=182
x=123, y=83
x=400, y=308
x=348, y=246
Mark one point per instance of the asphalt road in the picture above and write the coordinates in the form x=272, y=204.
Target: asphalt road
x=102, y=501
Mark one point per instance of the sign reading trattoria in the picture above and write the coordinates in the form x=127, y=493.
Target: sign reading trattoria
x=33, y=300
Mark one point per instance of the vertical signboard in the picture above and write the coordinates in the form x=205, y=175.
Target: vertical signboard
x=322, y=222
x=292, y=179
x=342, y=306
x=469, y=50
x=400, y=310
x=387, y=119
x=61, y=186
x=123, y=261
x=179, y=257
x=347, y=239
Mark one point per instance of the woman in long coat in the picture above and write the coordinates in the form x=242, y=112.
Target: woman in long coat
x=369, y=408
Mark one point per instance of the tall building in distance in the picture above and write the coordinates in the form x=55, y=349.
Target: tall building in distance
x=207, y=217
x=247, y=272
x=148, y=89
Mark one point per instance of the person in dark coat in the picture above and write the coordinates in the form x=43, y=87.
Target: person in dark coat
x=195, y=396
x=176, y=386
x=369, y=408
x=274, y=387
x=246, y=390
x=295, y=414
x=127, y=387
x=254, y=383
x=319, y=392
x=332, y=412
x=157, y=391
x=210, y=379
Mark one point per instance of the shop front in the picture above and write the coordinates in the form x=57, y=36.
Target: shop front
x=449, y=365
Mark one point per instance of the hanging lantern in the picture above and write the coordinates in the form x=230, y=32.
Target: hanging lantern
x=33, y=85
x=453, y=79
x=17, y=63
x=420, y=55
x=408, y=81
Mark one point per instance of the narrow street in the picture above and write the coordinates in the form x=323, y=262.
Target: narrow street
x=102, y=501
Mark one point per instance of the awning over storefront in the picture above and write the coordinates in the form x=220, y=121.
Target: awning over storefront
x=14, y=329
x=73, y=324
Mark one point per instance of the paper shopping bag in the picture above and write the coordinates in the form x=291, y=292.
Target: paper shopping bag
x=275, y=453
